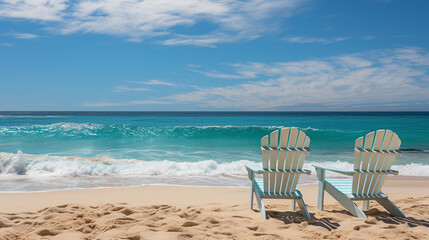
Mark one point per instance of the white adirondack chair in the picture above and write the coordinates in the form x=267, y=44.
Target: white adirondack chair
x=281, y=167
x=374, y=157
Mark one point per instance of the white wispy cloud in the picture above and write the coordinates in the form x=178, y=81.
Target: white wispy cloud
x=230, y=20
x=6, y=44
x=377, y=78
x=373, y=80
x=216, y=74
x=153, y=82
x=24, y=35
x=44, y=10
x=193, y=66
x=125, y=89
x=129, y=103
x=206, y=40
x=301, y=39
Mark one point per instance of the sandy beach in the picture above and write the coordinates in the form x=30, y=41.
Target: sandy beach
x=173, y=212
x=145, y=119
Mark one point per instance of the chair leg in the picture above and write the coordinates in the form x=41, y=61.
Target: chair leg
x=345, y=201
x=303, y=208
x=252, y=189
x=321, y=188
x=390, y=207
x=260, y=205
x=365, y=205
x=293, y=204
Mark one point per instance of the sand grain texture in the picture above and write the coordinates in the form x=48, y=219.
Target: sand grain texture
x=121, y=221
x=167, y=212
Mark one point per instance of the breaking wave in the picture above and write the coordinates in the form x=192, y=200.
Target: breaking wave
x=19, y=163
x=35, y=165
x=89, y=129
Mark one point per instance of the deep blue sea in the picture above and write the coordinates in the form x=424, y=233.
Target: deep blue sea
x=42, y=151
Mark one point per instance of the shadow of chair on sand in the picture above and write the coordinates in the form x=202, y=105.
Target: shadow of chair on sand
x=296, y=218
x=389, y=219
x=412, y=222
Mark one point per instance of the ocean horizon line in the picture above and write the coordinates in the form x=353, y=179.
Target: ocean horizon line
x=197, y=111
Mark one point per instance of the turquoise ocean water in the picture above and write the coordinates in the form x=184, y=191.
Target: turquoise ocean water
x=56, y=150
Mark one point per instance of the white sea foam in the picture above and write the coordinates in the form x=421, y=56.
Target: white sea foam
x=64, y=128
x=19, y=163
x=329, y=130
x=32, y=116
x=80, y=166
x=23, y=172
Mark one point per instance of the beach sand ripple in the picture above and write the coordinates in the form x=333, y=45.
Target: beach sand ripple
x=213, y=221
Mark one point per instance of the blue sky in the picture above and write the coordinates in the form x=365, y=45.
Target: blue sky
x=214, y=55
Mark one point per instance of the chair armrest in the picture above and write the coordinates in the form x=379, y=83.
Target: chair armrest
x=252, y=170
x=337, y=170
x=394, y=172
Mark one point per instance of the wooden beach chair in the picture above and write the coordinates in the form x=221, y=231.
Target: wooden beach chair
x=282, y=163
x=374, y=156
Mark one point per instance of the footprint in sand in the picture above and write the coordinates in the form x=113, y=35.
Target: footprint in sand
x=272, y=236
x=188, y=216
x=127, y=211
x=223, y=233
x=211, y=220
x=390, y=227
x=189, y=224
x=184, y=236
x=174, y=229
x=253, y=228
x=46, y=232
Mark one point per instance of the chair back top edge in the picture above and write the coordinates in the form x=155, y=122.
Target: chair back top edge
x=376, y=151
x=378, y=141
x=286, y=139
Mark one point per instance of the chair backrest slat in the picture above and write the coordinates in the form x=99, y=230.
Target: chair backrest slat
x=301, y=139
x=278, y=180
x=355, y=184
x=274, y=140
x=374, y=154
x=287, y=154
x=289, y=177
x=293, y=137
x=358, y=157
x=284, y=137
x=382, y=162
x=387, y=140
x=288, y=161
x=379, y=178
x=306, y=142
x=265, y=156
x=365, y=161
x=378, y=140
x=369, y=139
x=394, y=141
